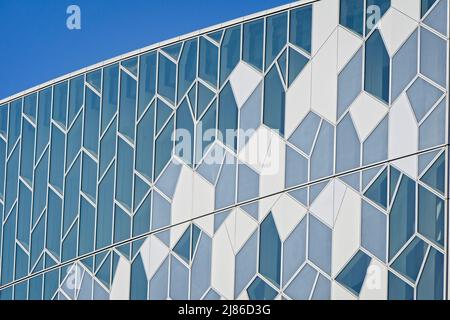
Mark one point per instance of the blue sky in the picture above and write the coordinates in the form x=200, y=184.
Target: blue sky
x=36, y=46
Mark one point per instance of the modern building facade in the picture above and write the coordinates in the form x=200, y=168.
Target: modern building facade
x=299, y=153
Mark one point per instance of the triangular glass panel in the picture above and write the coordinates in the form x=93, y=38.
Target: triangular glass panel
x=216, y=36
x=425, y=6
x=260, y=290
x=282, y=63
x=104, y=272
x=425, y=160
x=130, y=65
x=377, y=192
x=435, y=176
x=368, y=175
x=125, y=250
x=135, y=247
x=94, y=78
x=140, y=190
x=192, y=96
x=182, y=248
x=410, y=260
x=99, y=258
x=219, y=218
x=354, y=273
x=88, y=263
x=163, y=113
x=205, y=96
x=116, y=259
x=297, y=62
x=195, y=237
x=394, y=178
x=437, y=19
x=315, y=190
x=173, y=50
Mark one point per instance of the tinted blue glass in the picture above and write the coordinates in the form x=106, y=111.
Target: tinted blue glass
x=431, y=216
x=107, y=147
x=402, y=217
x=208, y=61
x=8, y=246
x=124, y=182
x=182, y=248
x=105, y=209
x=270, y=250
x=297, y=62
x=22, y=261
x=173, y=50
x=43, y=120
x=76, y=97
x=12, y=173
x=89, y=177
x=127, y=108
x=377, y=67
x=206, y=130
x=381, y=6
x=348, y=147
x=259, y=290
x=56, y=152
x=141, y=219
x=15, y=115
x=378, y=190
x=147, y=80
x=398, y=289
x=164, y=147
x=35, y=288
x=300, y=27
x=426, y=5
x=352, y=15
x=87, y=224
x=253, y=43
x=94, y=78
x=431, y=282
x=110, y=94
x=4, y=120
x=187, y=67
x=163, y=112
x=60, y=92
x=354, y=272
x=138, y=280
x=276, y=36
x=74, y=140
x=69, y=245
x=166, y=78
x=29, y=106
x=230, y=52
x=2, y=167
x=71, y=195
x=122, y=225
x=184, y=135
x=435, y=176
x=144, y=143
x=37, y=241
x=91, y=121
x=205, y=96
x=40, y=187
x=24, y=215
x=130, y=65
x=433, y=60
x=228, y=117
x=54, y=214
x=274, y=101
x=410, y=260
x=319, y=244
x=51, y=282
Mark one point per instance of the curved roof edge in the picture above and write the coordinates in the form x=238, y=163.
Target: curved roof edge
x=156, y=46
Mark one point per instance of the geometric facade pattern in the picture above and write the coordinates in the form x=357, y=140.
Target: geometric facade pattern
x=334, y=187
